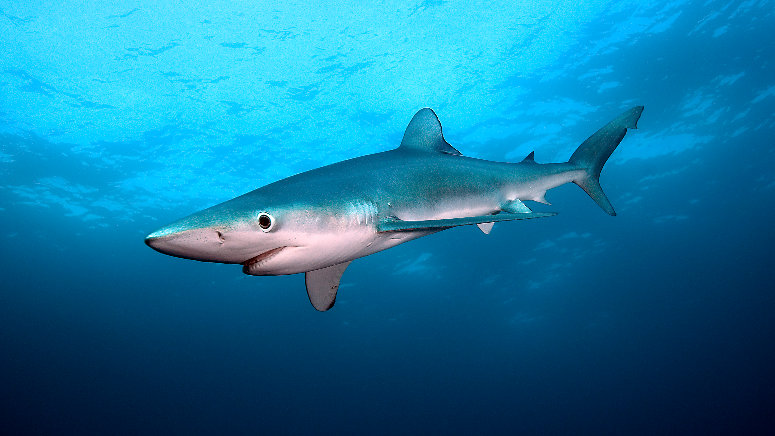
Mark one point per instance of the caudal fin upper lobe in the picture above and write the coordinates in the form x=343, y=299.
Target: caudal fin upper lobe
x=593, y=153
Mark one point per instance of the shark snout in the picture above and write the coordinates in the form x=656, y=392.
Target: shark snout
x=163, y=243
x=204, y=244
x=210, y=243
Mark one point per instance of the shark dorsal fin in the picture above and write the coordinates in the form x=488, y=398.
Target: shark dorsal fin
x=530, y=158
x=424, y=134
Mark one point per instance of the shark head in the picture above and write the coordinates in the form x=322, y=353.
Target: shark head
x=266, y=237
x=231, y=232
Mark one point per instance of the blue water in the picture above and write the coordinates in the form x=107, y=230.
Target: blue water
x=116, y=119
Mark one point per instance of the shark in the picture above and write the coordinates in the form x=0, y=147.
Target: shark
x=319, y=221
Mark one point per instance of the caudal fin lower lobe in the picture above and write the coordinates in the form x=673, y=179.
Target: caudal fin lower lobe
x=593, y=153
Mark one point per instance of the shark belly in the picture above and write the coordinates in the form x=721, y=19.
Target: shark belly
x=321, y=250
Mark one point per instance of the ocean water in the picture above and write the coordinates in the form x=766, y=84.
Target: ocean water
x=118, y=118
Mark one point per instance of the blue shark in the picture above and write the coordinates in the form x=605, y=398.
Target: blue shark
x=319, y=221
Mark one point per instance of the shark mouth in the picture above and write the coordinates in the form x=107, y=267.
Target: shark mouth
x=252, y=265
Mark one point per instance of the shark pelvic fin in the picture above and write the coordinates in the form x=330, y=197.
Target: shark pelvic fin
x=486, y=228
x=395, y=225
x=322, y=285
x=424, y=134
x=595, y=151
x=515, y=206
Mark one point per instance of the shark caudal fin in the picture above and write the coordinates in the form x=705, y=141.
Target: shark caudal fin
x=595, y=151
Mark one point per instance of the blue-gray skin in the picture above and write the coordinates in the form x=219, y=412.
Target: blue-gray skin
x=317, y=222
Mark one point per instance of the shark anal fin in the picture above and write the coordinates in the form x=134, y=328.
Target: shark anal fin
x=424, y=134
x=541, y=198
x=322, y=285
x=486, y=228
x=398, y=225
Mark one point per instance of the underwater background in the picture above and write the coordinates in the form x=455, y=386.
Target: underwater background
x=117, y=118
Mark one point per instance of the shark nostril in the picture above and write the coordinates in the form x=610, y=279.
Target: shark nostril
x=220, y=236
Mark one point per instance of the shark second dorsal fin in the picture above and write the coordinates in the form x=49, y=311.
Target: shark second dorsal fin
x=530, y=158
x=322, y=285
x=424, y=134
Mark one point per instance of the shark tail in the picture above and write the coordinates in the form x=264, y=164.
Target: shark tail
x=593, y=153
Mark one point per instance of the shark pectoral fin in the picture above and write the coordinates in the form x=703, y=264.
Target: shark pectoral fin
x=486, y=228
x=394, y=225
x=322, y=285
x=515, y=206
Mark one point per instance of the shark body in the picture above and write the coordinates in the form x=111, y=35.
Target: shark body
x=319, y=221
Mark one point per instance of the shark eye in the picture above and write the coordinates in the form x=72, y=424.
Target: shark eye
x=265, y=221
